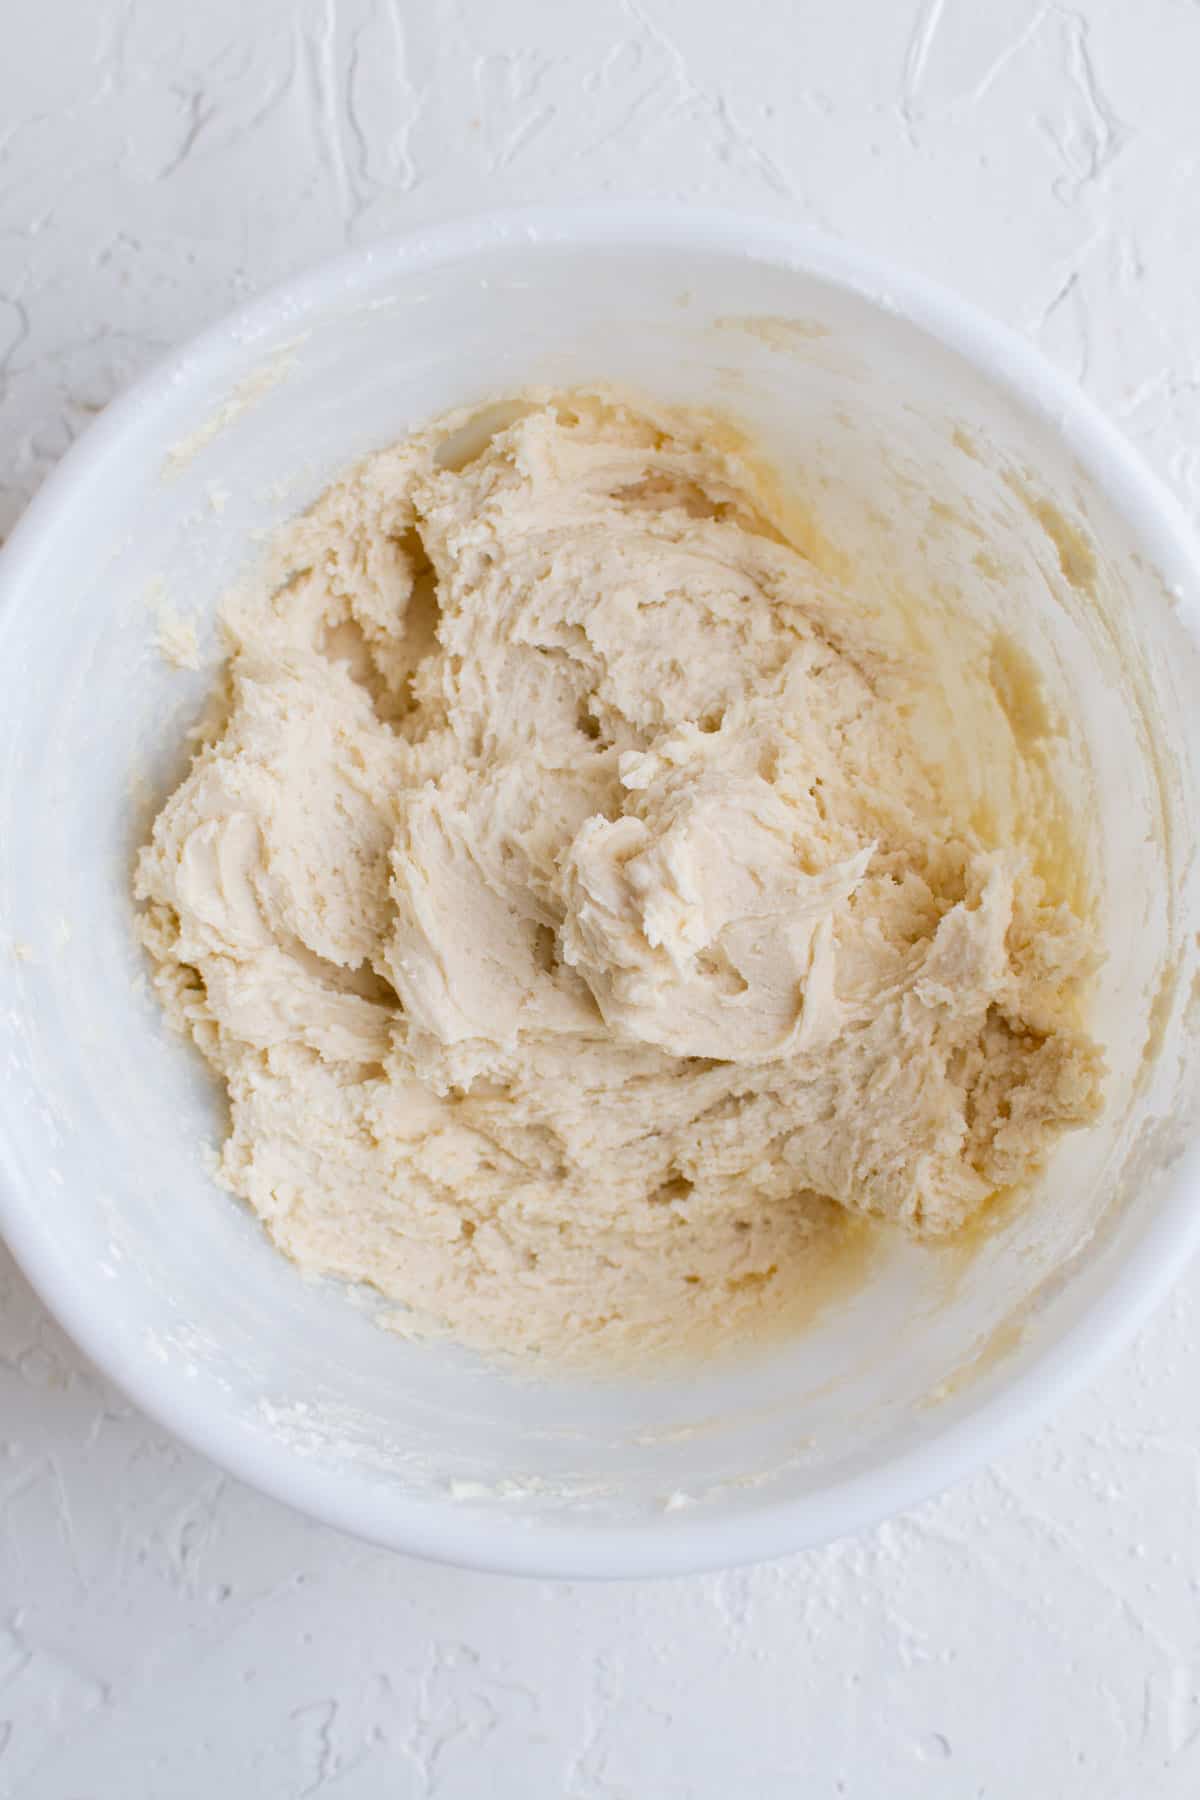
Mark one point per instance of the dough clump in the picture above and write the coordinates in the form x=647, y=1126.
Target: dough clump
x=573, y=908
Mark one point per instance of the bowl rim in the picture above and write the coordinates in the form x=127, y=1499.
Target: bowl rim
x=676, y=1542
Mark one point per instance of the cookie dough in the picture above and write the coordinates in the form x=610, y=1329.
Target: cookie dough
x=573, y=899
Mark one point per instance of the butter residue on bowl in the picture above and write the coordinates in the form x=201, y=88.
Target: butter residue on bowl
x=576, y=895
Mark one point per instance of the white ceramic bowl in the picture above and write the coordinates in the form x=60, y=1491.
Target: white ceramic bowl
x=921, y=435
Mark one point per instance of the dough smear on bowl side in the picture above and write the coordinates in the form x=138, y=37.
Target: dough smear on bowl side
x=571, y=900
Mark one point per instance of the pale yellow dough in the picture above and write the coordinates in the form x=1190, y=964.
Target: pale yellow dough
x=573, y=905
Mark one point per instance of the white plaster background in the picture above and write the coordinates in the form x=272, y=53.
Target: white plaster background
x=163, y=1631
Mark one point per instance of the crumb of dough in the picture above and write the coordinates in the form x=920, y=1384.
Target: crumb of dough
x=178, y=643
x=568, y=900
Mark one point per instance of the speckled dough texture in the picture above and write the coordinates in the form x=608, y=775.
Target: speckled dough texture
x=570, y=898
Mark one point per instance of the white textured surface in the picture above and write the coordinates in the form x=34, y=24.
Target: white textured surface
x=163, y=1631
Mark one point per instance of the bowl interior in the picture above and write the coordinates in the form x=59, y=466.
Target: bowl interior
x=916, y=468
